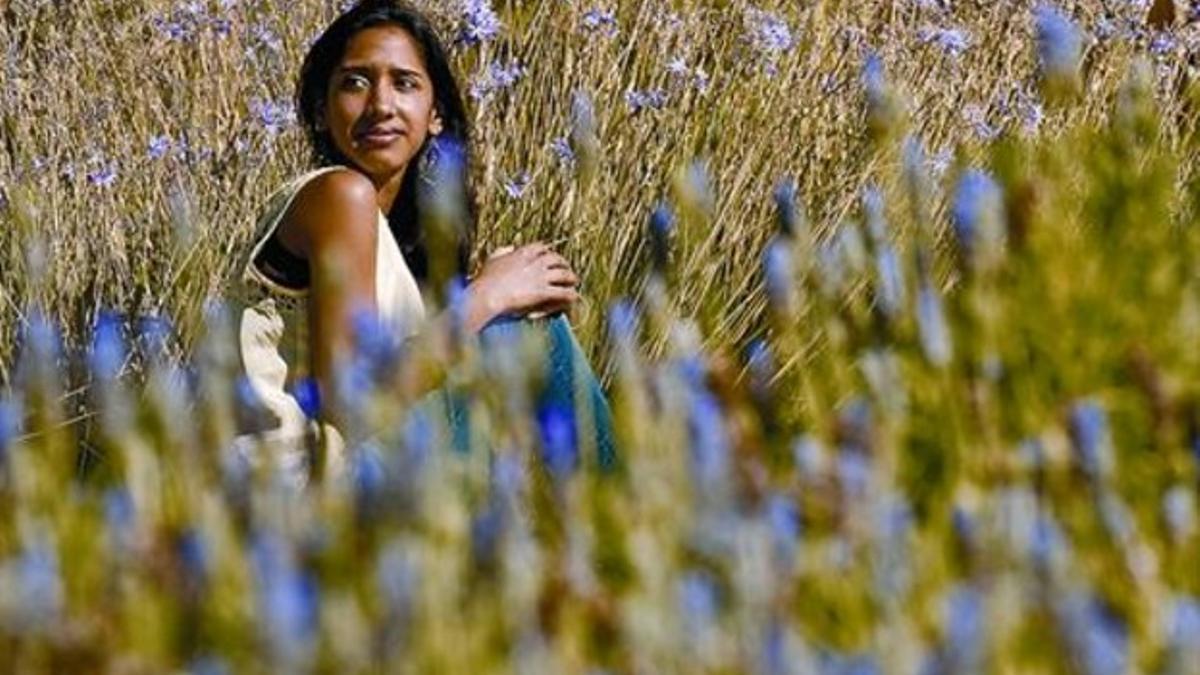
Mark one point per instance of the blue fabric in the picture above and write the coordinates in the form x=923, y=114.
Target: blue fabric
x=572, y=411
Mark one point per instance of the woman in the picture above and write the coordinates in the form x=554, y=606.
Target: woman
x=377, y=98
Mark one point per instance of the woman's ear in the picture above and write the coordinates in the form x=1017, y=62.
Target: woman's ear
x=435, y=123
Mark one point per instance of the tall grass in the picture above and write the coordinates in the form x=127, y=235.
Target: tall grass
x=94, y=92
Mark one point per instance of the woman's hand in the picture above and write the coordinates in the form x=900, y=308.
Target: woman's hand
x=529, y=279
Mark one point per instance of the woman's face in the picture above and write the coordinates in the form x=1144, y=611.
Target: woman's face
x=379, y=105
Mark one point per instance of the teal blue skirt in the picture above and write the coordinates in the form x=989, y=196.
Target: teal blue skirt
x=573, y=416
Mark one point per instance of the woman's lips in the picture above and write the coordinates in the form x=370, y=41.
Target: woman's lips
x=378, y=138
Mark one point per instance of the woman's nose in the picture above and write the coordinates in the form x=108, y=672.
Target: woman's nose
x=382, y=101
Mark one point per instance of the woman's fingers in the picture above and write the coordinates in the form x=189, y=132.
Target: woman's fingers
x=558, y=276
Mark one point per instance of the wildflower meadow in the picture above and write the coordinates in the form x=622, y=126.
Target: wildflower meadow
x=896, y=304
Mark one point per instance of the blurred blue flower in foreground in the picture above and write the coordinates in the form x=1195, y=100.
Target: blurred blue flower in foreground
x=932, y=325
x=698, y=603
x=559, y=439
x=1097, y=637
x=1091, y=438
x=1059, y=45
x=976, y=214
x=287, y=599
x=107, y=354
x=965, y=630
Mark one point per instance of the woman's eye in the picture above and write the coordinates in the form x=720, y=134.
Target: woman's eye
x=406, y=84
x=355, y=82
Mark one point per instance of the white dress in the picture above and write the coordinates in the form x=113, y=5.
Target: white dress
x=272, y=333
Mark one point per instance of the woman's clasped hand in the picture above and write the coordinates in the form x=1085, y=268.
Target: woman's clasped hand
x=530, y=280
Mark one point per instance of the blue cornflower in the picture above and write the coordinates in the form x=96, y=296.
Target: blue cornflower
x=559, y=439
x=853, y=469
x=1048, y=546
x=622, y=322
x=287, y=599
x=952, y=41
x=193, y=553
x=1163, y=44
x=932, y=326
x=42, y=342
x=698, y=602
x=787, y=214
x=495, y=78
x=600, y=21
x=158, y=146
x=779, y=274
x=760, y=363
x=783, y=516
x=1091, y=438
x=516, y=186
x=120, y=518
x=662, y=221
x=1097, y=636
x=769, y=33
x=838, y=663
x=709, y=441
x=275, y=117
x=1183, y=634
x=108, y=348
x=266, y=39
x=1179, y=512
x=889, y=280
x=561, y=147
x=39, y=586
x=965, y=630
x=810, y=458
x=103, y=176
x=653, y=99
x=874, y=77
x=396, y=576
x=10, y=424
x=368, y=473
x=701, y=80
x=975, y=211
x=307, y=395
x=1059, y=43
x=479, y=22
x=507, y=477
x=977, y=118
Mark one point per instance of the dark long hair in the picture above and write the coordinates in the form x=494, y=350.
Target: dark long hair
x=404, y=220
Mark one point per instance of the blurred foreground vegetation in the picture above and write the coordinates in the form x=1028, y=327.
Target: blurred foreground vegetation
x=897, y=390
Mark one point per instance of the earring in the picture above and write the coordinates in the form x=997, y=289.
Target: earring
x=427, y=167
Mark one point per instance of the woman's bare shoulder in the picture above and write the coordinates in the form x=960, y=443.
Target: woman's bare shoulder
x=333, y=205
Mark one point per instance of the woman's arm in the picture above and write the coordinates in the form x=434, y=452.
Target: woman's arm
x=532, y=278
x=333, y=224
